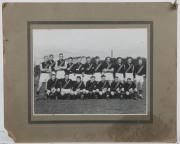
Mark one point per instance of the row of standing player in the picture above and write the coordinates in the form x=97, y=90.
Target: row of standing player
x=97, y=69
x=67, y=89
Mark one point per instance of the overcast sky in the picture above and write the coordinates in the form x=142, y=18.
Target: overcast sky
x=89, y=42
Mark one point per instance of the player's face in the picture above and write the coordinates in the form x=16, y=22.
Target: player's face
x=88, y=60
x=53, y=76
x=108, y=60
x=51, y=57
x=78, y=80
x=79, y=60
x=129, y=60
x=116, y=79
x=97, y=59
x=60, y=57
x=103, y=78
x=45, y=59
x=66, y=77
x=129, y=80
x=119, y=60
x=70, y=60
x=140, y=61
x=92, y=79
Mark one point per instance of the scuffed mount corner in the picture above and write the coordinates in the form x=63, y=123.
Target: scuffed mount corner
x=5, y=137
x=175, y=4
x=4, y=5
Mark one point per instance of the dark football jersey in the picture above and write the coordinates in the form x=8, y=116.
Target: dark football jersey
x=78, y=68
x=66, y=84
x=115, y=85
x=52, y=64
x=107, y=65
x=77, y=85
x=97, y=67
x=53, y=84
x=88, y=68
x=140, y=69
x=128, y=86
x=119, y=68
x=103, y=84
x=45, y=65
x=91, y=85
x=129, y=68
x=61, y=63
x=69, y=69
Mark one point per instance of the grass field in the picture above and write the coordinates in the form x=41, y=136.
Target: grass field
x=90, y=106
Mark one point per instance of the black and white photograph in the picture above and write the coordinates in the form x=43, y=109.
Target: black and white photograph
x=90, y=71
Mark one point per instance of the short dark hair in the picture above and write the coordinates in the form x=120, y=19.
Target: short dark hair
x=128, y=78
x=119, y=58
x=70, y=58
x=51, y=55
x=140, y=58
x=116, y=77
x=97, y=57
x=78, y=77
x=66, y=74
x=107, y=57
x=92, y=76
x=103, y=75
x=45, y=56
x=88, y=57
x=61, y=54
x=129, y=58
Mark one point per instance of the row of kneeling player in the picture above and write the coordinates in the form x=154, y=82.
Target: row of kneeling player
x=67, y=89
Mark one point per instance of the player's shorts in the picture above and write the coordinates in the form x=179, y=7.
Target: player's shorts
x=102, y=91
x=113, y=93
x=109, y=76
x=139, y=78
x=78, y=75
x=66, y=91
x=44, y=77
x=79, y=92
x=87, y=77
x=129, y=75
x=87, y=91
x=72, y=77
x=60, y=74
x=120, y=76
x=97, y=76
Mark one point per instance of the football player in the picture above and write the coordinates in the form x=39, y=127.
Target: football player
x=117, y=88
x=60, y=67
x=103, y=88
x=97, y=69
x=53, y=87
x=88, y=71
x=140, y=73
x=66, y=86
x=130, y=89
x=79, y=88
x=44, y=76
x=108, y=69
x=119, y=70
x=91, y=86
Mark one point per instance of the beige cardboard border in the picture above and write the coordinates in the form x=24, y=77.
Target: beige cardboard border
x=164, y=17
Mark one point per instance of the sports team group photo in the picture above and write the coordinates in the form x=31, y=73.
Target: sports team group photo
x=90, y=71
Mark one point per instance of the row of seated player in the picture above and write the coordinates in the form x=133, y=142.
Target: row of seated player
x=66, y=89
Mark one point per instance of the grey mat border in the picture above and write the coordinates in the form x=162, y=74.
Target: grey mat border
x=29, y=23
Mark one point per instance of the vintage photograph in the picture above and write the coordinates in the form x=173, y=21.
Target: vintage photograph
x=90, y=71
